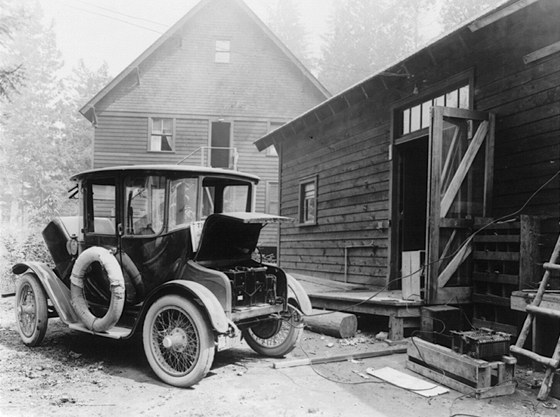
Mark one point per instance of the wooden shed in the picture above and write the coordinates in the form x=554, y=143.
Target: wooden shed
x=389, y=180
x=210, y=86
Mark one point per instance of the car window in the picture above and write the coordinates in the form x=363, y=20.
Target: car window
x=102, y=209
x=145, y=204
x=182, y=202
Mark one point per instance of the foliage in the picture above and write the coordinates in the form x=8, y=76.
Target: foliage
x=366, y=36
x=453, y=13
x=285, y=21
x=11, y=70
x=44, y=140
x=17, y=247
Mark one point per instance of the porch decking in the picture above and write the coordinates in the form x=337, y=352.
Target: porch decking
x=334, y=295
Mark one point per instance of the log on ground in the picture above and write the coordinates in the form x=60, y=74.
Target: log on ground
x=332, y=323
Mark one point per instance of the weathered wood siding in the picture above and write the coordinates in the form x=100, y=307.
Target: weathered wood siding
x=349, y=154
x=349, y=147
x=180, y=80
x=266, y=167
x=181, y=76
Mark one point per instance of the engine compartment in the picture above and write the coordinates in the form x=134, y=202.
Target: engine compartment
x=252, y=285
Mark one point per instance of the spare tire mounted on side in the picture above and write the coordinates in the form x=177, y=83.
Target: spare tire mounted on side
x=116, y=282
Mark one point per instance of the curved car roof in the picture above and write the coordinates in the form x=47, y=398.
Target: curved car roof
x=168, y=168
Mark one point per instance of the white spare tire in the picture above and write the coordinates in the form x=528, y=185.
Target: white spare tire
x=116, y=283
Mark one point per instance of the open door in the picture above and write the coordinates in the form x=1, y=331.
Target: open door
x=461, y=152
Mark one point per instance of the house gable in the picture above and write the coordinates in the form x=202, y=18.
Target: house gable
x=178, y=74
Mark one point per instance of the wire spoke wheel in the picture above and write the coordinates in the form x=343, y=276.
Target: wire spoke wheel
x=31, y=310
x=276, y=337
x=177, y=341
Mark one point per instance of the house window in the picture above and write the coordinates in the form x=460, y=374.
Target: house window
x=417, y=117
x=308, y=201
x=272, y=200
x=222, y=55
x=161, y=135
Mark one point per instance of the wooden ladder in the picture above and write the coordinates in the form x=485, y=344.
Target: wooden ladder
x=533, y=310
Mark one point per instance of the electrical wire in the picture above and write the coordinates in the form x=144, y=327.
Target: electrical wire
x=465, y=242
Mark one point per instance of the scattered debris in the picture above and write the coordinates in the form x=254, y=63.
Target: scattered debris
x=382, y=336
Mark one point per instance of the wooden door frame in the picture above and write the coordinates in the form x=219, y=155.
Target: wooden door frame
x=434, y=220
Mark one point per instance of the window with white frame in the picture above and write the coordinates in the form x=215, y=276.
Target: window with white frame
x=308, y=201
x=161, y=135
x=272, y=198
x=223, y=52
x=417, y=117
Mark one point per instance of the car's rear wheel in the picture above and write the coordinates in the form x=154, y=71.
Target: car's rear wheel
x=178, y=342
x=31, y=310
x=276, y=337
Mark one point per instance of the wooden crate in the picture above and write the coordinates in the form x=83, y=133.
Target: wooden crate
x=460, y=372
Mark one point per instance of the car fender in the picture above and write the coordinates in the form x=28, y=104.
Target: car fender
x=296, y=290
x=58, y=293
x=214, y=311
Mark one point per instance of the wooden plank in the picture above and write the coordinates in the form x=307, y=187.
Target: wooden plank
x=489, y=166
x=434, y=198
x=500, y=327
x=338, y=358
x=499, y=14
x=542, y=53
x=530, y=251
x=446, y=359
x=463, y=169
x=455, y=263
x=490, y=277
x=491, y=299
x=496, y=239
x=496, y=256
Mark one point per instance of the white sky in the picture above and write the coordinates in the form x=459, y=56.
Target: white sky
x=118, y=31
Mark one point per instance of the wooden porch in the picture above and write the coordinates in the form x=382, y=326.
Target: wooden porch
x=360, y=299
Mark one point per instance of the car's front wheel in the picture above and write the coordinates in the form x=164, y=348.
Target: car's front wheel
x=31, y=310
x=178, y=342
x=276, y=337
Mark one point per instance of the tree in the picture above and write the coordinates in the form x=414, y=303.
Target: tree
x=285, y=21
x=455, y=12
x=367, y=35
x=43, y=140
x=11, y=71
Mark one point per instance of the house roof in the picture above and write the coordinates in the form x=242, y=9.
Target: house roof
x=326, y=108
x=88, y=110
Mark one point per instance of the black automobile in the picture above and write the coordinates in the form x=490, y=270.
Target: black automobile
x=169, y=251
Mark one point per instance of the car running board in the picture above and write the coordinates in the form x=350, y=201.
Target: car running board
x=115, y=332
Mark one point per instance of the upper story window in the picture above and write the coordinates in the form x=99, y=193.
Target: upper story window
x=417, y=117
x=308, y=201
x=223, y=52
x=161, y=135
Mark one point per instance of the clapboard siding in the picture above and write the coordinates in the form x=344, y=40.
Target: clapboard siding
x=180, y=79
x=245, y=133
x=345, y=142
x=260, y=79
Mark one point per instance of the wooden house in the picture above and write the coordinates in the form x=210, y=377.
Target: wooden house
x=201, y=95
x=389, y=179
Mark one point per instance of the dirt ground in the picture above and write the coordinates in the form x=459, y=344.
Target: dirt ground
x=75, y=374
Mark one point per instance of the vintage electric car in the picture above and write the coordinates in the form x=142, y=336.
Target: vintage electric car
x=168, y=251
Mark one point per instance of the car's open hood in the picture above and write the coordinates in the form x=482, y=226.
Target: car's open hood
x=233, y=235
